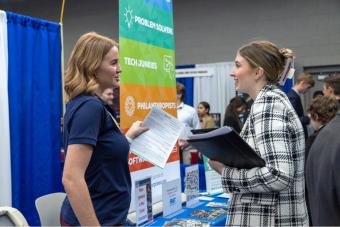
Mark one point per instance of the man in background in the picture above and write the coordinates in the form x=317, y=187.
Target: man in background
x=189, y=117
x=331, y=87
x=304, y=83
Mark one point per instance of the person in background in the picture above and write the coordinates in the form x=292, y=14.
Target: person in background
x=96, y=174
x=272, y=195
x=320, y=111
x=107, y=96
x=317, y=93
x=310, y=128
x=236, y=106
x=331, y=87
x=323, y=174
x=304, y=83
x=189, y=117
x=116, y=103
x=185, y=113
x=206, y=121
x=249, y=103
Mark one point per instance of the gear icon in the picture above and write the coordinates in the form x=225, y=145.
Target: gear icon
x=129, y=106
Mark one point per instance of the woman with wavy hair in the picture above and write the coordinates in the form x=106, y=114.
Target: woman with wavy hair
x=236, y=106
x=96, y=174
x=272, y=195
x=321, y=111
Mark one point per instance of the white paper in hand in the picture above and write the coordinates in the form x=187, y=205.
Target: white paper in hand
x=156, y=144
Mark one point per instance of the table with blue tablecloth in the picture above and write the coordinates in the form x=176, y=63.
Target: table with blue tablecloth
x=185, y=213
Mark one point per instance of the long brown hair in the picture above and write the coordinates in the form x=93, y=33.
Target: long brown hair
x=231, y=110
x=85, y=59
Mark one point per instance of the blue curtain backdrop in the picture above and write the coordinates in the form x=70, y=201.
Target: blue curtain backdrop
x=189, y=85
x=34, y=91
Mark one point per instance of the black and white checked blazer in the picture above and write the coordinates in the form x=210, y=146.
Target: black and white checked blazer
x=272, y=195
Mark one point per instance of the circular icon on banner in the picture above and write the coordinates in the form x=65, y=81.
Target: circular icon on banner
x=129, y=105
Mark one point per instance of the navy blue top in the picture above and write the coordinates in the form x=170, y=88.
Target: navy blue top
x=107, y=176
x=295, y=100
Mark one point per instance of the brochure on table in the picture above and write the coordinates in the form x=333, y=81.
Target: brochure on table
x=143, y=201
x=191, y=183
x=212, y=179
x=171, y=197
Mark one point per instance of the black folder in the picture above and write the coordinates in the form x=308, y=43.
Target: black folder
x=226, y=146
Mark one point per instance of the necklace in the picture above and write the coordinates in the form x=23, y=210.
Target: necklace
x=114, y=120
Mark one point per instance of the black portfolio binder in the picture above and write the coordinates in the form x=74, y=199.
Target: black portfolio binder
x=226, y=146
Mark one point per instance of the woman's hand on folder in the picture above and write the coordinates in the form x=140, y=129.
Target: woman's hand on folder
x=217, y=166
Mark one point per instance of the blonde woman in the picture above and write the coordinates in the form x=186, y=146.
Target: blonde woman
x=96, y=175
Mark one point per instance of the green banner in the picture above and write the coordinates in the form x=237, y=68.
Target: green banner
x=147, y=59
x=146, y=64
x=143, y=22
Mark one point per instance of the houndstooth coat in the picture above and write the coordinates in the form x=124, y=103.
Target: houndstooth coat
x=272, y=195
